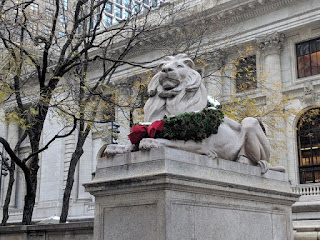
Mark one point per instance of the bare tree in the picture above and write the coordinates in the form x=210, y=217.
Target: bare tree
x=41, y=51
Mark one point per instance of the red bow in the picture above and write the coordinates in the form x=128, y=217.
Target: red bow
x=142, y=131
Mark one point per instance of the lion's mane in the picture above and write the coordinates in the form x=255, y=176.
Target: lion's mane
x=188, y=96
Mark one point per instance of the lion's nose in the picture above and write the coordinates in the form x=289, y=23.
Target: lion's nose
x=167, y=69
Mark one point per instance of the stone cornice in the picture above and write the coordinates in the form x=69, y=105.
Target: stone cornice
x=231, y=12
x=219, y=15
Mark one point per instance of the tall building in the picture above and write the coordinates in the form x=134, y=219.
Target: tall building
x=265, y=50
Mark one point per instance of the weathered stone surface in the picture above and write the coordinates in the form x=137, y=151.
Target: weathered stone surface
x=70, y=231
x=172, y=194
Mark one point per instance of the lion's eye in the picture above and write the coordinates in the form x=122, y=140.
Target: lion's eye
x=179, y=66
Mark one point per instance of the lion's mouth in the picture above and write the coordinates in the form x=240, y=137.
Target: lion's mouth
x=169, y=83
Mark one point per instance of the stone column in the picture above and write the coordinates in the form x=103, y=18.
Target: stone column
x=270, y=47
x=85, y=169
x=214, y=82
x=122, y=114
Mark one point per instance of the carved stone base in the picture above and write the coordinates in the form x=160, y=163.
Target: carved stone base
x=171, y=194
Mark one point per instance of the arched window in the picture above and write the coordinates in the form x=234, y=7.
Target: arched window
x=308, y=135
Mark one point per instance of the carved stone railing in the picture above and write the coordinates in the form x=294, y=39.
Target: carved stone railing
x=90, y=207
x=307, y=190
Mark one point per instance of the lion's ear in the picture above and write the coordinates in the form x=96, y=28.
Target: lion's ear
x=159, y=67
x=189, y=63
x=154, y=83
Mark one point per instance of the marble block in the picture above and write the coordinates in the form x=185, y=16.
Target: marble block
x=169, y=194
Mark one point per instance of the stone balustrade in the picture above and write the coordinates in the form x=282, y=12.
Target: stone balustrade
x=309, y=190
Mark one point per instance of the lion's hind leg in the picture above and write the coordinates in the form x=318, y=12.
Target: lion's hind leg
x=256, y=146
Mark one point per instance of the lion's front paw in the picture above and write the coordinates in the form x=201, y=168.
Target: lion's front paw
x=212, y=154
x=114, y=149
x=110, y=150
x=148, y=143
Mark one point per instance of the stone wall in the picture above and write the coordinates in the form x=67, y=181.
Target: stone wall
x=70, y=231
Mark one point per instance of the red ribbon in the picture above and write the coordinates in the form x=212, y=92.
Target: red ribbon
x=142, y=131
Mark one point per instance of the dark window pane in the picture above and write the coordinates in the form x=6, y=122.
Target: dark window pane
x=318, y=61
x=127, y=3
x=313, y=46
x=318, y=45
x=317, y=176
x=65, y=4
x=108, y=20
x=303, y=49
x=145, y=9
x=119, y=1
x=137, y=7
x=300, y=67
x=154, y=3
x=246, y=74
x=118, y=12
x=306, y=66
x=126, y=14
x=309, y=146
x=109, y=8
x=314, y=64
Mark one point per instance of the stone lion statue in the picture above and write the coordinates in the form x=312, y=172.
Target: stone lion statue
x=177, y=88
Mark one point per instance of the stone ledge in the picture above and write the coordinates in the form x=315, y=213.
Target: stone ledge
x=306, y=207
x=135, y=166
x=75, y=226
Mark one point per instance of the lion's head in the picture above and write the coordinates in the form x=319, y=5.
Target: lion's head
x=176, y=88
x=174, y=74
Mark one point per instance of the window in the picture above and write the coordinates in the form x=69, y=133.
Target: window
x=308, y=58
x=79, y=30
x=98, y=18
x=246, y=73
x=126, y=14
x=108, y=20
x=91, y=22
x=109, y=8
x=118, y=12
x=33, y=28
x=65, y=5
x=127, y=3
x=46, y=30
x=145, y=9
x=137, y=7
x=62, y=34
x=308, y=140
x=63, y=20
x=49, y=13
x=154, y=3
x=34, y=8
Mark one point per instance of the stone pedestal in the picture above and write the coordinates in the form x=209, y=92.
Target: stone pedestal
x=168, y=194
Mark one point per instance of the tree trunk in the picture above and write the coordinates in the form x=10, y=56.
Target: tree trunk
x=70, y=180
x=29, y=201
x=30, y=197
x=5, y=209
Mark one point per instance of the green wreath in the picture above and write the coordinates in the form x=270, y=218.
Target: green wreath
x=194, y=126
